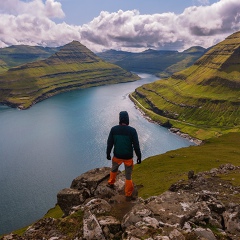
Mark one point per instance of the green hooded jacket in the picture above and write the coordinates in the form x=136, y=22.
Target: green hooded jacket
x=124, y=139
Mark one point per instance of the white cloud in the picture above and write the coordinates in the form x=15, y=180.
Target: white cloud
x=126, y=30
x=202, y=25
x=51, y=8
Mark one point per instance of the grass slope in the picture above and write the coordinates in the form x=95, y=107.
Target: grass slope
x=156, y=174
x=73, y=67
x=20, y=54
x=203, y=100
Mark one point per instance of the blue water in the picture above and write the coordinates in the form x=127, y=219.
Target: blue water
x=44, y=148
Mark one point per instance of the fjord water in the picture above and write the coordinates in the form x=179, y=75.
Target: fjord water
x=44, y=148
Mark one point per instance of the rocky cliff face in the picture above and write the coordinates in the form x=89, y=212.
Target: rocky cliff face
x=203, y=207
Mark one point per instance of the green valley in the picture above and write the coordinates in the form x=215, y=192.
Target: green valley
x=202, y=100
x=72, y=67
x=161, y=63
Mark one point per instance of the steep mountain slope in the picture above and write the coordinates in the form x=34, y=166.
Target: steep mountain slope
x=16, y=55
x=202, y=97
x=73, y=67
x=160, y=63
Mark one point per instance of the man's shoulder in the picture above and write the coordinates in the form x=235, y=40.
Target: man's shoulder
x=131, y=128
x=115, y=127
x=126, y=127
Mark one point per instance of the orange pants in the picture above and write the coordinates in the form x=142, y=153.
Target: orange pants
x=128, y=163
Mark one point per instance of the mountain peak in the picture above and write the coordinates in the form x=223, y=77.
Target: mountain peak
x=73, y=52
x=195, y=49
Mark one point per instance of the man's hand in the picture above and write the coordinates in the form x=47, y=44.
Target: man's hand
x=139, y=161
x=109, y=157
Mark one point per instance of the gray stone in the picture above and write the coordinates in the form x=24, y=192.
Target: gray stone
x=232, y=220
x=110, y=224
x=91, y=179
x=176, y=235
x=68, y=198
x=205, y=233
x=138, y=212
x=91, y=228
x=97, y=206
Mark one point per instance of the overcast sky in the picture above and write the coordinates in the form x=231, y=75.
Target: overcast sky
x=130, y=25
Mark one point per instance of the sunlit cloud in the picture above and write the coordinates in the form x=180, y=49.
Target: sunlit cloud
x=203, y=25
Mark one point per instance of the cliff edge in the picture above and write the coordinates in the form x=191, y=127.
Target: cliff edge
x=203, y=207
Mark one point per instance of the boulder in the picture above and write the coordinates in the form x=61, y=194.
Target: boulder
x=91, y=227
x=204, y=233
x=232, y=220
x=68, y=198
x=91, y=179
x=97, y=206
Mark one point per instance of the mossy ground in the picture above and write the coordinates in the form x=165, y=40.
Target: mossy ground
x=157, y=173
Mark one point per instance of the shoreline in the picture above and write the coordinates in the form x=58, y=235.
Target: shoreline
x=172, y=129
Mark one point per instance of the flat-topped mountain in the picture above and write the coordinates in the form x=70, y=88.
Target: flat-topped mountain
x=72, y=67
x=205, y=95
x=161, y=63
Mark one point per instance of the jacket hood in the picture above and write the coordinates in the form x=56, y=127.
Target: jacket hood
x=123, y=117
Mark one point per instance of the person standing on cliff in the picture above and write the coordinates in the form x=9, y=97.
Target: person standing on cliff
x=124, y=139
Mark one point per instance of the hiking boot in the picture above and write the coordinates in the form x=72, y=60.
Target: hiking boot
x=110, y=186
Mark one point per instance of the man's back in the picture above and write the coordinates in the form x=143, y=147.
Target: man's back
x=125, y=139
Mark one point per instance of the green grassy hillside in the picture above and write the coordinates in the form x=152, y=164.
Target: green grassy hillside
x=3, y=66
x=160, y=63
x=157, y=173
x=202, y=100
x=20, y=54
x=73, y=67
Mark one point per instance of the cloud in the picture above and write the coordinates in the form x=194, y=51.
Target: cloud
x=197, y=25
x=50, y=9
x=126, y=30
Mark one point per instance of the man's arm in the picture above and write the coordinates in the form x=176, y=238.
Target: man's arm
x=136, y=146
x=110, y=143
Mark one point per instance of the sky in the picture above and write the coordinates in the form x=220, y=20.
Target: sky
x=127, y=25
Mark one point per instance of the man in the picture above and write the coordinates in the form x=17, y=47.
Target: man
x=124, y=139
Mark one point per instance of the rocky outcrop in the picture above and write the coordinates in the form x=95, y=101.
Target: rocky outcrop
x=203, y=207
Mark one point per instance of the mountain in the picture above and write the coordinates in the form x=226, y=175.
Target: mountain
x=73, y=67
x=160, y=63
x=203, y=100
x=16, y=55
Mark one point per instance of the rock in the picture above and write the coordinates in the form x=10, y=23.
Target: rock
x=92, y=184
x=110, y=224
x=91, y=227
x=176, y=235
x=191, y=174
x=232, y=220
x=205, y=233
x=94, y=211
x=138, y=212
x=97, y=206
x=67, y=198
x=91, y=179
